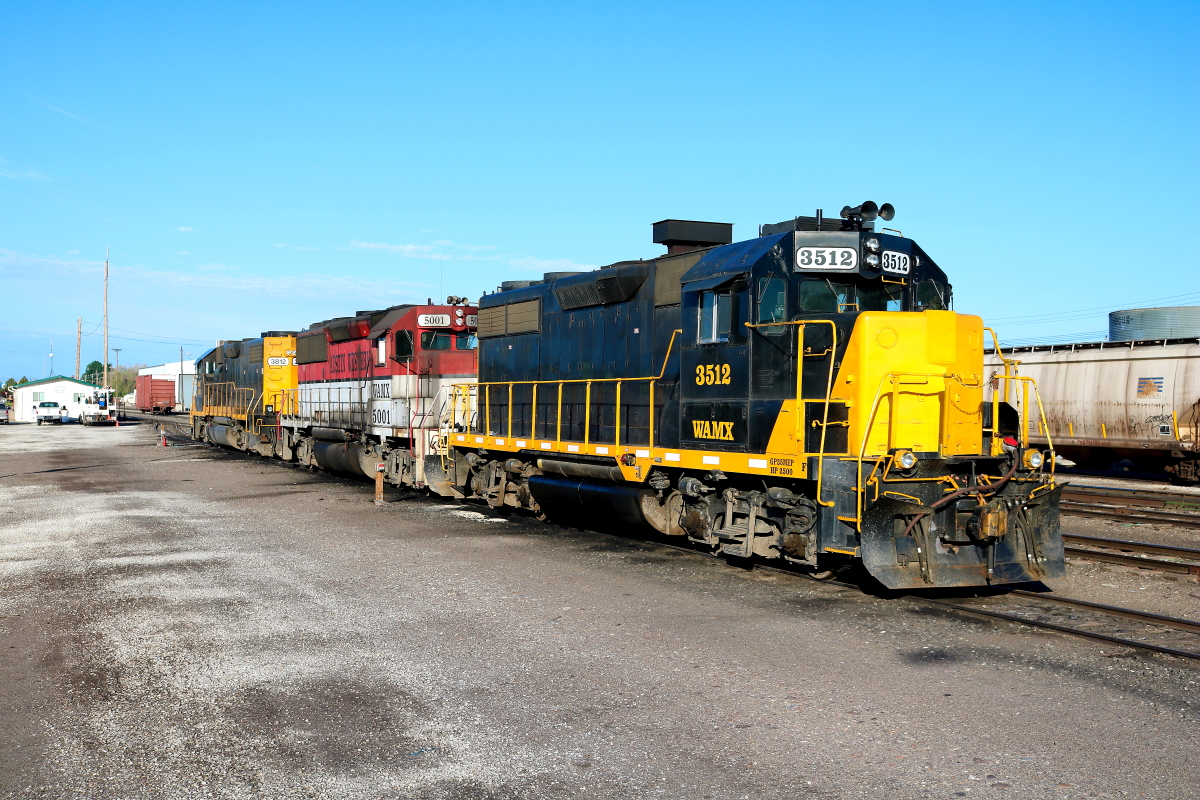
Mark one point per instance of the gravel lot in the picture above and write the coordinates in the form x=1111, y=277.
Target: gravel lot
x=188, y=622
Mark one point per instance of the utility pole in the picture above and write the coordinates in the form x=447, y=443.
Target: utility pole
x=116, y=364
x=105, y=318
x=78, y=343
x=51, y=359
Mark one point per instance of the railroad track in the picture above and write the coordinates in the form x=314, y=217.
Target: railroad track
x=1181, y=560
x=1132, y=505
x=1127, y=627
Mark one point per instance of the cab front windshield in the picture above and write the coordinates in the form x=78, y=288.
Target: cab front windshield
x=825, y=296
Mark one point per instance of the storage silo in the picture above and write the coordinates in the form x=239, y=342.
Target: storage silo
x=1171, y=322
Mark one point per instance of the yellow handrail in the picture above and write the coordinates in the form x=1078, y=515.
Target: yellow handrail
x=225, y=400
x=800, y=325
x=860, y=488
x=1010, y=364
x=587, y=410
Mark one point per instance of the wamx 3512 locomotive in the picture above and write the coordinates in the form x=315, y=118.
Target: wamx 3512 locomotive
x=805, y=395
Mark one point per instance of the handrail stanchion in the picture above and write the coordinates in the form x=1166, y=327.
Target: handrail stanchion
x=587, y=416
x=617, y=426
x=1024, y=414
x=652, y=414
x=533, y=414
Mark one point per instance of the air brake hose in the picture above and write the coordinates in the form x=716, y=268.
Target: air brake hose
x=943, y=501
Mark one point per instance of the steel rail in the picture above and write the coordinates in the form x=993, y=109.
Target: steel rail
x=1149, y=548
x=1103, y=637
x=1126, y=514
x=1117, y=611
x=1134, y=561
x=1189, y=566
x=1134, y=497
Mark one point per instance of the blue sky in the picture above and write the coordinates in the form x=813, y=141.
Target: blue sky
x=257, y=166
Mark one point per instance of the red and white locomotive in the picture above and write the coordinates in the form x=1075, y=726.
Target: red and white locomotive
x=377, y=389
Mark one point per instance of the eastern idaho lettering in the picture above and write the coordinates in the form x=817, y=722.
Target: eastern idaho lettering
x=706, y=429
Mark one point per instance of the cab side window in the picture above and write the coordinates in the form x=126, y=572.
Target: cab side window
x=465, y=341
x=819, y=297
x=716, y=317
x=435, y=340
x=404, y=346
x=933, y=296
x=772, y=301
x=381, y=351
x=879, y=296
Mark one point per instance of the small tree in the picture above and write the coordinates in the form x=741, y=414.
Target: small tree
x=23, y=380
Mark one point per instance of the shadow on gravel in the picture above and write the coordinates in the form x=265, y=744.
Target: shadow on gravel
x=331, y=724
x=930, y=655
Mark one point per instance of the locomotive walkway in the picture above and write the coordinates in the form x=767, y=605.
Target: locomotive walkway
x=186, y=622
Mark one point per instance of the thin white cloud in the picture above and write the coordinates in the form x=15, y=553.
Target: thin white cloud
x=56, y=109
x=181, y=252
x=410, y=250
x=185, y=229
x=430, y=252
x=14, y=265
x=549, y=265
x=23, y=174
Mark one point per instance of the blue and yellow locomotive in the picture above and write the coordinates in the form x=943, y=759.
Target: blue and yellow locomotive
x=806, y=395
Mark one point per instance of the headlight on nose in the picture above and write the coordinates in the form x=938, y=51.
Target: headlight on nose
x=873, y=245
x=872, y=261
x=1033, y=459
x=904, y=459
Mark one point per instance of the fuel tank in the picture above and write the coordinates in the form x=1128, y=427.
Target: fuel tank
x=340, y=457
x=220, y=434
x=595, y=501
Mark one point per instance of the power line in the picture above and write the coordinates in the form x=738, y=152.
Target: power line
x=1067, y=315
x=154, y=336
x=1084, y=336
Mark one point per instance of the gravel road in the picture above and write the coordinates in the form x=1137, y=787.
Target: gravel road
x=188, y=622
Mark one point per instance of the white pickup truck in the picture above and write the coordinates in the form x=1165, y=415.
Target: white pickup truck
x=50, y=411
x=3, y=411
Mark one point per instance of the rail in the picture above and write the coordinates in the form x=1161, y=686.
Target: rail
x=1134, y=554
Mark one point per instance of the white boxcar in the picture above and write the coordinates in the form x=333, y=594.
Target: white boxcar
x=1135, y=400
